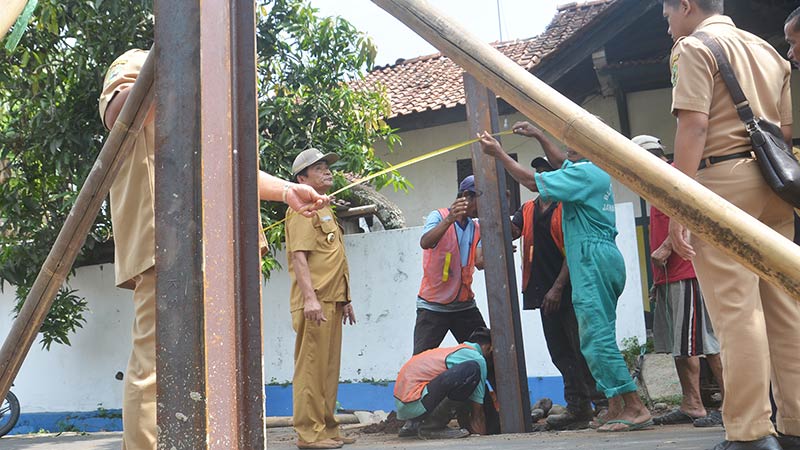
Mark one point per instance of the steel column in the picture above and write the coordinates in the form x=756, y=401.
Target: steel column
x=248, y=273
x=180, y=362
x=501, y=283
x=210, y=377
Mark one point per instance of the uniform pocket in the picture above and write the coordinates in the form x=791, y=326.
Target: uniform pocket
x=328, y=226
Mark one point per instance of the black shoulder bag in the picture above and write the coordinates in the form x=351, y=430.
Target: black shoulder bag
x=780, y=168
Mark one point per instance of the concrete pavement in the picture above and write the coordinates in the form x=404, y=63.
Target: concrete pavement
x=666, y=438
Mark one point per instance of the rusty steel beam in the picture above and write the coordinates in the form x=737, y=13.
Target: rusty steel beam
x=73, y=233
x=180, y=363
x=210, y=377
x=501, y=283
x=246, y=203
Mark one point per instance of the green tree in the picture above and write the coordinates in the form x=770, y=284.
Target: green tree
x=50, y=132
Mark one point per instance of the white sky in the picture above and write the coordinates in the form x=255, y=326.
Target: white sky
x=520, y=19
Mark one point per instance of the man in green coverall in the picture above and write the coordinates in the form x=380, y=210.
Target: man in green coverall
x=595, y=264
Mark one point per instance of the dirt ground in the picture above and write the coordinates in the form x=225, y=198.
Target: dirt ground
x=683, y=437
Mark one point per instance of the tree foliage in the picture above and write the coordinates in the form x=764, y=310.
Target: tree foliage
x=50, y=132
x=304, y=63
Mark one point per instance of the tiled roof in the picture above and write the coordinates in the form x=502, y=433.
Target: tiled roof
x=434, y=82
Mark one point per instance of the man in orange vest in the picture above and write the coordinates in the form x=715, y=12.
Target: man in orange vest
x=546, y=286
x=451, y=253
x=439, y=384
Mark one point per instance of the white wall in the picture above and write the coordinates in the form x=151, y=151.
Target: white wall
x=385, y=272
x=80, y=376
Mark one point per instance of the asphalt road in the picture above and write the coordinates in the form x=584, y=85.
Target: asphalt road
x=671, y=437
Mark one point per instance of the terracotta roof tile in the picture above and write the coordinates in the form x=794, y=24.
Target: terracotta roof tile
x=434, y=82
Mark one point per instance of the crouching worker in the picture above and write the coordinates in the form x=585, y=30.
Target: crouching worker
x=438, y=385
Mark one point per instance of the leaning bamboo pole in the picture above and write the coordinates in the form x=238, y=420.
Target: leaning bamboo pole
x=75, y=229
x=707, y=215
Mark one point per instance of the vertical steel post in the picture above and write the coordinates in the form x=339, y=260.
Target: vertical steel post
x=248, y=267
x=501, y=284
x=210, y=377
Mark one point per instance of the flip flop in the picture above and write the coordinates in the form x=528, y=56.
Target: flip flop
x=630, y=426
x=674, y=417
x=713, y=419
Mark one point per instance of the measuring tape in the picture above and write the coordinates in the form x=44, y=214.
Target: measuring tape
x=403, y=164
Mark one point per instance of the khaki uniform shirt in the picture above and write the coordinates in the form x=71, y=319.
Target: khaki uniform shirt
x=132, y=193
x=321, y=237
x=697, y=85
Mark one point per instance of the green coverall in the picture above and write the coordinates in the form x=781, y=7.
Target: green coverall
x=596, y=266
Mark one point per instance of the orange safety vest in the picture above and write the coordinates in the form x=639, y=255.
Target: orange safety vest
x=556, y=232
x=420, y=370
x=444, y=281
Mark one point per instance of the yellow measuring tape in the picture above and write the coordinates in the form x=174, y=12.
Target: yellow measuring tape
x=403, y=164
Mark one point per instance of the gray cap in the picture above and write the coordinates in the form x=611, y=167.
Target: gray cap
x=648, y=142
x=310, y=157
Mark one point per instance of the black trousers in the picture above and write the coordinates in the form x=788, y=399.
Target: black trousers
x=432, y=327
x=563, y=343
x=796, y=229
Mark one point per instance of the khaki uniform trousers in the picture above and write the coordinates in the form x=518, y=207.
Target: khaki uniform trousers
x=317, y=357
x=139, y=395
x=756, y=322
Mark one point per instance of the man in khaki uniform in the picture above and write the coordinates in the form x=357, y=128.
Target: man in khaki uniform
x=755, y=321
x=791, y=30
x=133, y=221
x=320, y=305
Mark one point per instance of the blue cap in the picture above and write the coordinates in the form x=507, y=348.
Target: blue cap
x=467, y=184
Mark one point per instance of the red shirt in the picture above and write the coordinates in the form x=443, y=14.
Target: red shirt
x=677, y=267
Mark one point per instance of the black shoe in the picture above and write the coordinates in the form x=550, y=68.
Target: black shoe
x=570, y=420
x=409, y=429
x=789, y=442
x=765, y=443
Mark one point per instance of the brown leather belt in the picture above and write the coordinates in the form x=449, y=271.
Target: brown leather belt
x=711, y=160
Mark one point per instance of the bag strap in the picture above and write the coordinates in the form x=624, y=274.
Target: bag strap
x=726, y=71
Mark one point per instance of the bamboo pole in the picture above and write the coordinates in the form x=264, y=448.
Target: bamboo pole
x=76, y=227
x=706, y=214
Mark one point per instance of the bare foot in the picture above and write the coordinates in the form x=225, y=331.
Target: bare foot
x=634, y=412
x=615, y=408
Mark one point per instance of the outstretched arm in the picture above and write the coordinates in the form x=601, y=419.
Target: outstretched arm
x=554, y=154
x=491, y=147
x=300, y=197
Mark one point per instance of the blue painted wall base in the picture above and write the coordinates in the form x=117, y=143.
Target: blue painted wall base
x=352, y=396
x=89, y=421
x=374, y=396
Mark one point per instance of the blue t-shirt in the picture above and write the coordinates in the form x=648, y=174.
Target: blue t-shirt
x=414, y=409
x=585, y=191
x=465, y=236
